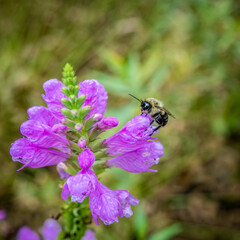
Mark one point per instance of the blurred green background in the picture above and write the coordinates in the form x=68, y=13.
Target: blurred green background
x=185, y=53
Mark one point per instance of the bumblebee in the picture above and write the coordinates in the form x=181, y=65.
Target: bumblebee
x=156, y=110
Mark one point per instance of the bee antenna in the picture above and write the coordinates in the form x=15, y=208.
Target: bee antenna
x=135, y=98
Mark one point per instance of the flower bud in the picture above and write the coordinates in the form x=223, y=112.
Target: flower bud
x=62, y=168
x=82, y=142
x=98, y=116
x=78, y=126
x=86, y=159
x=59, y=128
x=107, y=123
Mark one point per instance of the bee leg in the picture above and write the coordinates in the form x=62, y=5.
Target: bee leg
x=151, y=122
x=154, y=130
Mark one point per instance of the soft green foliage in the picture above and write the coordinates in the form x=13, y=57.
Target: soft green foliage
x=166, y=233
x=185, y=53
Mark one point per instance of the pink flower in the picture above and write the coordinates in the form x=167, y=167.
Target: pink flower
x=89, y=235
x=53, y=94
x=108, y=205
x=50, y=231
x=96, y=96
x=135, y=149
x=43, y=145
x=79, y=186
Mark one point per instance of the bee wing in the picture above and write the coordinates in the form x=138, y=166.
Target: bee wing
x=168, y=112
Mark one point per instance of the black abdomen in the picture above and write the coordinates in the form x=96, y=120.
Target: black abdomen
x=161, y=119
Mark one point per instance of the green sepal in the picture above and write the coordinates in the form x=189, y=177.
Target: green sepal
x=66, y=91
x=98, y=146
x=79, y=101
x=67, y=113
x=66, y=81
x=83, y=112
x=76, y=90
x=75, y=147
x=89, y=124
x=67, y=103
x=70, y=124
x=101, y=154
x=94, y=134
x=72, y=98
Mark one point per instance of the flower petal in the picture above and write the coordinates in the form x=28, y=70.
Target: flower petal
x=79, y=186
x=26, y=233
x=135, y=132
x=42, y=115
x=89, y=235
x=107, y=123
x=53, y=95
x=139, y=160
x=51, y=229
x=108, y=205
x=34, y=156
x=96, y=96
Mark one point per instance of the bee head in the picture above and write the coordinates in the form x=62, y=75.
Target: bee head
x=145, y=106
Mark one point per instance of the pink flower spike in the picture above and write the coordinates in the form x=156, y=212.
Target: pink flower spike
x=86, y=159
x=26, y=233
x=107, y=123
x=50, y=229
x=89, y=235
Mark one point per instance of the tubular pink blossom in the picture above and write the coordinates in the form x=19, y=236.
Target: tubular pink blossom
x=79, y=186
x=134, y=133
x=53, y=94
x=107, y=123
x=89, y=235
x=26, y=233
x=108, y=205
x=96, y=96
x=139, y=160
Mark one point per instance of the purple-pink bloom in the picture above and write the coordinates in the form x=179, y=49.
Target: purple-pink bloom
x=2, y=214
x=50, y=229
x=79, y=186
x=26, y=233
x=107, y=123
x=139, y=160
x=135, y=149
x=96, y=96
x=108, y=205
x=134, y=133
x=43, y=146
x=53, y=94
x=89, y=235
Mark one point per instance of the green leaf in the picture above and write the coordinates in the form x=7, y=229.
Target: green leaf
x=167, y=233
x=140, y=223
